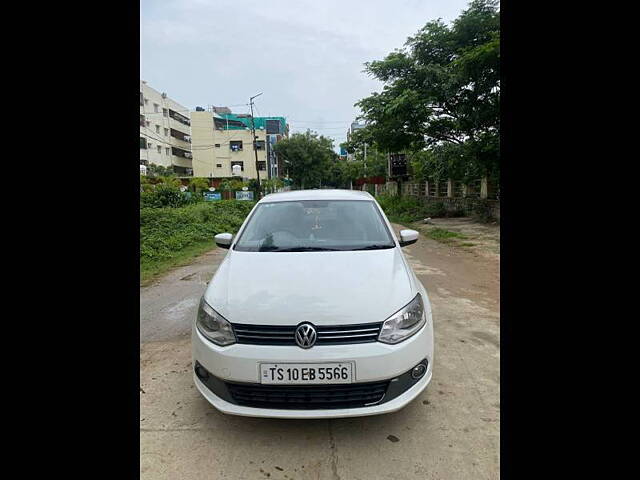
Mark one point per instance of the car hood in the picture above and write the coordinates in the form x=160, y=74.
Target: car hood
x=324, y=288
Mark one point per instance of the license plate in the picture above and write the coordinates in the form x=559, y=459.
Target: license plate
x=306, y=373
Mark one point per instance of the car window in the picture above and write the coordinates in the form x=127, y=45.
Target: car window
x=315, y=226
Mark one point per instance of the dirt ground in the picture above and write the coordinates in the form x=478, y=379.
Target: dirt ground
x=450, y=432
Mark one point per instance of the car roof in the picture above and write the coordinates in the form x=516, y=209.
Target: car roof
x=327, y=194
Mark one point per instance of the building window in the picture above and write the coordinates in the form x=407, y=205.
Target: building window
x=156, y=107
x=217, y=145
x=142, y=121
x=260, y=145
x=148, y=123
x=143, y=162
x=218, y=165
x=166, y=132
x=235, y=145
x=238, y=163
x=262, y=166
x=165, y=112
x=141, y=99
x=143, y=142
x=146, y=101
x=159, y=149
x=168, y=150
x=157, y=128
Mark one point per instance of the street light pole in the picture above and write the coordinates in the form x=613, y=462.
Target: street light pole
x=255, y=146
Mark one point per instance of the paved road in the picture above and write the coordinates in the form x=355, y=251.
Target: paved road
x=450, y=432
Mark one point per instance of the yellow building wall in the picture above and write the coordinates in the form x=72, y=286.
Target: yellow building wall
x=207, y=157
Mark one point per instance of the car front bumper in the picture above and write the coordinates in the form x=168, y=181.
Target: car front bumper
x=373, y=362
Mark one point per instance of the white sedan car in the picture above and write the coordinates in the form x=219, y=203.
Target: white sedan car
x=313, y=313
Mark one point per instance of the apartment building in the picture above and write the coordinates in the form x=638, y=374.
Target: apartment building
x=354, y=126
x=222, y=140
x=165, y=131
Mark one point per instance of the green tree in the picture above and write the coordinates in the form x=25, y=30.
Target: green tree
x=232, y=184
x=271, y=185
x=308, y=159
x=442, y=94
x=154, y=170
x=198, y=184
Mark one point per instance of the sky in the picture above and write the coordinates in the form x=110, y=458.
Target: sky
x=306, y=57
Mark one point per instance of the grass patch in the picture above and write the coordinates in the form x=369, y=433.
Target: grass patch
x=444, y=236
x=170, y=237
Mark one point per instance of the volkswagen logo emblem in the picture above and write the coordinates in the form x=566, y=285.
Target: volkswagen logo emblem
x=306, y=335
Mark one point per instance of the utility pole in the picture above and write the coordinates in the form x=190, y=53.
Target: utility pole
x=255, y=146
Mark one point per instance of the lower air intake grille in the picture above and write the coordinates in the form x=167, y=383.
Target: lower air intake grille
x=307, y=397
x=327, y=335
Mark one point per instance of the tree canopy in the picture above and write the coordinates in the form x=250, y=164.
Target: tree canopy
x=441, y=97
x=309, y=160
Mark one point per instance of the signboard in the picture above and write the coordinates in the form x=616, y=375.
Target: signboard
x=397, y=165
x=244, y=195
x=211, y=196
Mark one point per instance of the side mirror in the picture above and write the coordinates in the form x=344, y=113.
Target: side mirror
x=408, y=237
x=223, y=240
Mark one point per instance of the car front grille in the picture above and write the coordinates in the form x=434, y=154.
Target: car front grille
x=307, y=397
x=327, y=335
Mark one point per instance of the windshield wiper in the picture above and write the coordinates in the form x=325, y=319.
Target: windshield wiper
x=374, y=247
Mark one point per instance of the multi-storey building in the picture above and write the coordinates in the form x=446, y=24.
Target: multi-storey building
x=222, y=140
x=354, y=126
x=165, y=131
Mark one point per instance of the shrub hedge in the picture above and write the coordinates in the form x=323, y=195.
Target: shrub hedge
x=410, y=209
x=166, y=231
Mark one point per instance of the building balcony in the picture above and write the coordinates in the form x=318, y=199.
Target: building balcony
x=181, y=157
x=182, y=171
x=179, y=161
x=180, y=139
x=180, y=119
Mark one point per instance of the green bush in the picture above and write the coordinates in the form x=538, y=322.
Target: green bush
x=166, y=231
x=410, y=209
x=198, y=185
x=482, y=211
x=167, y=195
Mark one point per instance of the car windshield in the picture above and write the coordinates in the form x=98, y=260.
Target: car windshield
x=313, y=225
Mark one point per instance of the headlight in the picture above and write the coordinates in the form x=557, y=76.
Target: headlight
x=213, y=325
x=404, y=323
